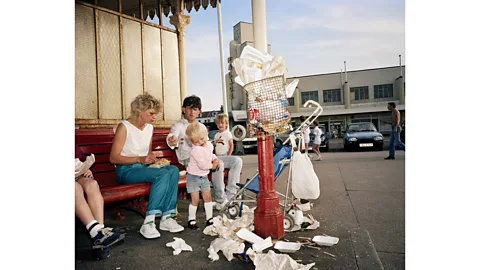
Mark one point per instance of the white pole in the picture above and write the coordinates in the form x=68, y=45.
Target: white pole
x=345, y=66
x=222, y=64
x=400, y=58
x=259, y=20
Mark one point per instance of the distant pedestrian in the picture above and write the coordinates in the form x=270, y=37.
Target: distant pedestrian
x=306, y=132
x=396, y=130
x=317, y=141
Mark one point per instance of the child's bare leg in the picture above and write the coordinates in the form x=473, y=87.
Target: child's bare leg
x=195, y=198
x=94, y=197
x=208, y=205
x=192, y=210
x=82, y=210
x=206, y=195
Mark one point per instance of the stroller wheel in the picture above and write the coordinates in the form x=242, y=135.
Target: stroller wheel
x=288, y=223
x=233, y=211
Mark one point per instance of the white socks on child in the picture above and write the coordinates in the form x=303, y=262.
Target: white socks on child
x=192, y=212
x=208, y=209
x=95, y=229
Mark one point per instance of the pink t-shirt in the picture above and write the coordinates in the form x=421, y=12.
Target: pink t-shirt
x=201, y=158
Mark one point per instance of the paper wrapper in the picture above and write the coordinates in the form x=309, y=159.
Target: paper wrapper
x=82, y=167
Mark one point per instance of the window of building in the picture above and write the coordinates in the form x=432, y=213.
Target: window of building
x=313, y=95
x=383, y=91
x=361, y=92
x=291, y=101
x=331, y=95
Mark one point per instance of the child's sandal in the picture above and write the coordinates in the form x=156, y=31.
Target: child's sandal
x=192, y=224
x=210, y=222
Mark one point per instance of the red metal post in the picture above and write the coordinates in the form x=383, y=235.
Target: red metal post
x=268, y=215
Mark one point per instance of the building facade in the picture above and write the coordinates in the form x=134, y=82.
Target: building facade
x=357, y=96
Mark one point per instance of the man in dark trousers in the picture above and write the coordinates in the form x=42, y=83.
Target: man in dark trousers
x=396, y=130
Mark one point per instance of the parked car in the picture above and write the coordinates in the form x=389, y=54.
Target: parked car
x=324, y=146
x=362, y=135
x=211, y=134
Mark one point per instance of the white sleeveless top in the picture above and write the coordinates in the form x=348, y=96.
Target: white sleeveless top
x=137, y=143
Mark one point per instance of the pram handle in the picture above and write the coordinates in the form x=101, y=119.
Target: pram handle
x=309, y=120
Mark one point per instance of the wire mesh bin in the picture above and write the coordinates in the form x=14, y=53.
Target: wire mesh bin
x=267, y=108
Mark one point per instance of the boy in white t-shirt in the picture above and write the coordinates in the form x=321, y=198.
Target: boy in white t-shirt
x=223, y=142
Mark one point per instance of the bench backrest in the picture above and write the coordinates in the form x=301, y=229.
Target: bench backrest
x=99, y=142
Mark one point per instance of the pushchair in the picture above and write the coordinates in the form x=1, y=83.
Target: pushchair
x=281, y=160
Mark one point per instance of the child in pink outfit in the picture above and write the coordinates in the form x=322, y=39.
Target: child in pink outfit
x=201, y=161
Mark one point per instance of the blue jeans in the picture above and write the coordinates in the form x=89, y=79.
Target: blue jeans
x=196, y=183
x=395, y=137
x=164, y=190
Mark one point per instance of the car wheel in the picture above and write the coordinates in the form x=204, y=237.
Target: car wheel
x=327, y=148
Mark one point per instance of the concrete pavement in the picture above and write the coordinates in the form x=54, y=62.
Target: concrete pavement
x=362, y=202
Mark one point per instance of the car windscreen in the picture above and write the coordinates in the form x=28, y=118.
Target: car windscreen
x=361, y=127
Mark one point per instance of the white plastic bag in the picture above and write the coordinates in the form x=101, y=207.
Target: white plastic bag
x=305, y=184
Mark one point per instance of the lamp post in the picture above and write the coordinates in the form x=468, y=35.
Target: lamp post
x=268, y=216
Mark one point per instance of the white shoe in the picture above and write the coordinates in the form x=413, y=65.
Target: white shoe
x=149, y=231
x=170, y=225
x=319, y=158
x=219, y=206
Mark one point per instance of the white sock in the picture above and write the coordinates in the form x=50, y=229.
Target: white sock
x=95, y=229
x=192, y=212
x=149, y=218
x=208, y=209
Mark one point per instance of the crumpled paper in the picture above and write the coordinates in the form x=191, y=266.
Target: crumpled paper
x=227, y=228
x=227, y=246
x=272, y=260
x=82, y=167
x=179, y=245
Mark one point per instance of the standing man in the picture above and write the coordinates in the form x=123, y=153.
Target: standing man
x=396, y=129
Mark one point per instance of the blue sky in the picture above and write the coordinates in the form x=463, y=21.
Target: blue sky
x=312, y=36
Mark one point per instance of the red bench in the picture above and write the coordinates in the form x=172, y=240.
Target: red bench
x=132, y=196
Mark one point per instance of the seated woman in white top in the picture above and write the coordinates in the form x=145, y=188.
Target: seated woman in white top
x=132, y=153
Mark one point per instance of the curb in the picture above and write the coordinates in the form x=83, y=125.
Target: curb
x=366, y=255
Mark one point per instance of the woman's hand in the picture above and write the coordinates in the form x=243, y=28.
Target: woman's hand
x=149, y=159
x=88, y=174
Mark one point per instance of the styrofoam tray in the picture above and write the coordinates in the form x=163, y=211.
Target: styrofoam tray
x=325, y=240
x=287, y=247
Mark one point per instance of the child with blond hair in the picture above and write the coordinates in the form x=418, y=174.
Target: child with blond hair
x=202, y=160
x=223, y=149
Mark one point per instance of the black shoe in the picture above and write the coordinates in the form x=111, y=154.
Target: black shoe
x=390, y=157
x=210, y=222
x=192, y=224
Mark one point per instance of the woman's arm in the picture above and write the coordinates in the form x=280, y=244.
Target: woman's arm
x=117, y=146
